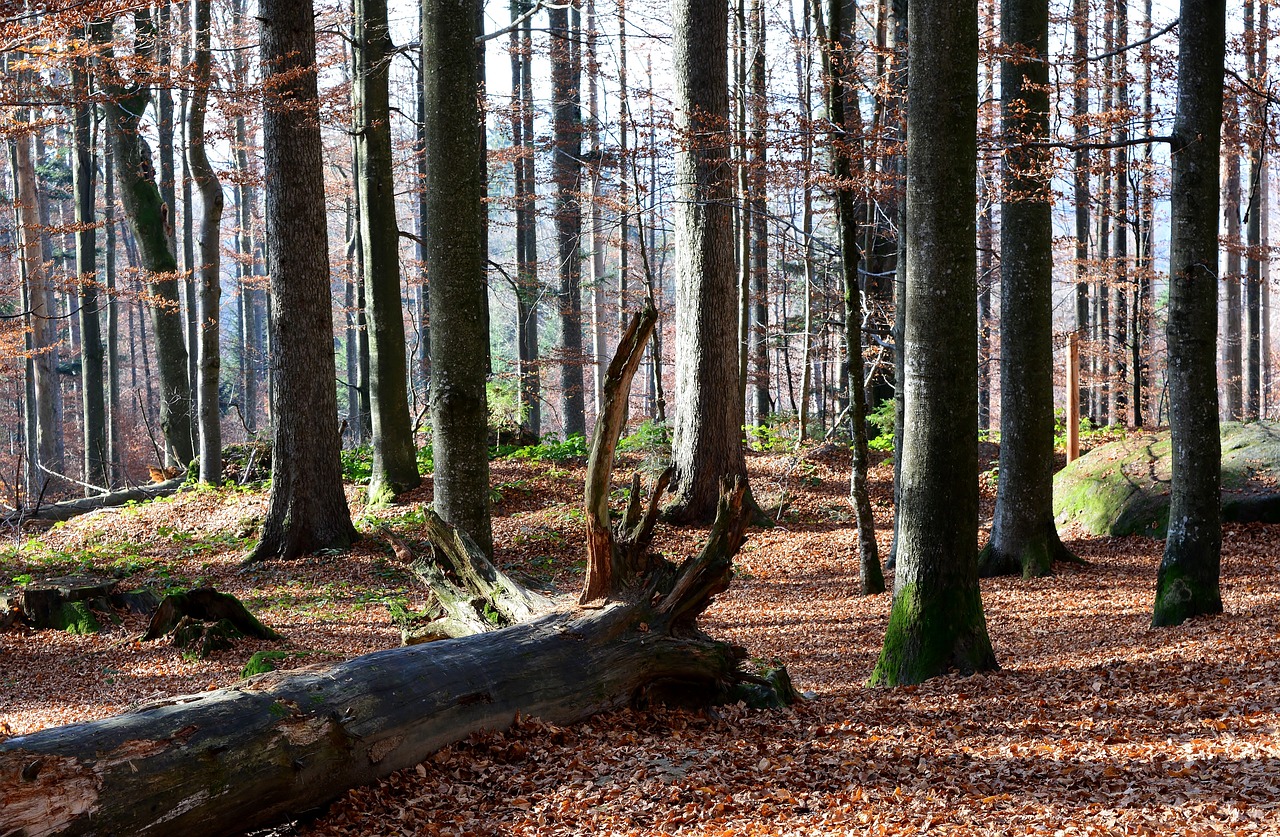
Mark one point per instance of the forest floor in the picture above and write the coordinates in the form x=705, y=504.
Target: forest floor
x=1095, y=724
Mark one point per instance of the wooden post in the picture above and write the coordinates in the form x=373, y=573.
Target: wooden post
x=1073, y=398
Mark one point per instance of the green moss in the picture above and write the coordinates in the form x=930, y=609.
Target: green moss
x=1123, y=488
x=76, y=618
x=262, y=662
x=1180, y=596
x=928, y=637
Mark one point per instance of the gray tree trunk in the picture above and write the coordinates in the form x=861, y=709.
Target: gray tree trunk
x=1232, y=356
x=93, y=402
x=1253, y=228
x=1187, y=583
x=1024, y=539
x=757, y=186
x=395, y=464
x=707, y=442
x=210, y=267
x=1080, y=74
x=307, y=509
x=150, y=220
x=566, y=72
x=455, y=262
x=1120, y=228
x=936, y=623
x=115, y=414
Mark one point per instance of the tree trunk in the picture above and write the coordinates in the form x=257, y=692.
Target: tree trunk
x=96, y=451
x=115, y=415
x=1079, y=56
x=395, y=463
x=566, y=174
x=936, y=623
x=847, y=158
x=40, y=320
x=1232, y=357
x=598, y=324
x=527, y=288
x=210, y=269
x=307, y=509
x=1024, y=539
x=758, y=178
x=150, y=219
x=455, y=263
x=1120, y=227
x=707, y=443
x=1187, y=584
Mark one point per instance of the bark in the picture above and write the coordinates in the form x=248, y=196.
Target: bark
x=707, y=442
x=38, y=303
x=1187, y=583
x=150, y=220
x=527, y=288
x=307, y=509
x=115, y=416
x=1253, y=230
x=210, y=268
x=249, y=369
x=1146, y=215
x=1080, y=52
x=845, y=120
x=566, y=174
x=757, y=194
x=1024, y=538
x=1120, y=227
x=455, y=263
x=395, y=463
x=936, y=623
x=1232, y=357
x=93, y=401
x=598, y=326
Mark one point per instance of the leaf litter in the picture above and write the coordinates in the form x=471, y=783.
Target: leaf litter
x=1095, y=725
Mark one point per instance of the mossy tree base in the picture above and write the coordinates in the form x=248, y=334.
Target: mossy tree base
x=1180, y=596
x=931, y=637
x=1034, y=560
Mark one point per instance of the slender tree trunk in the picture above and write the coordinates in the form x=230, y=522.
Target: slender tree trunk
x=1253, y=229
x=986, y=229
x=1120, y=226
x=937, y=623
x=455, y=263
x=307, y=509
x=707, y=443
x=527, y=289
x=804, y=84
x=395, y=464
x=759, y=178
x=210, y=268
x=1024, y=538
x=1142, y=293
x=1187, y=584
x=150, y=220
x=567, y=174
x=424, y=230
x=93, y=402
x=115, y=415
x=600, y=348
x=1232, y=358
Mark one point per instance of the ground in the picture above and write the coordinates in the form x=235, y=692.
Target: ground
x=1096, y=724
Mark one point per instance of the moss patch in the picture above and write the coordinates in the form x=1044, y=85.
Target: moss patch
x=263, y=661
x=76, y=618
x=1122, y=488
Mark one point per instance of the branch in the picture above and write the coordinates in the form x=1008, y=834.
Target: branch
x=1172, y=25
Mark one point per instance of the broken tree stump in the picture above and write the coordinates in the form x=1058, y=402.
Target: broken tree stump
x=205, y=620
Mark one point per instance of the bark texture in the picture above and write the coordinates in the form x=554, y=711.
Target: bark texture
x=210, y=268
x=1187, y=583
x=936, y=623
x=455, y=265
x=1024, y=538
x=395, y=464
x=307, y=508
x=707, y=440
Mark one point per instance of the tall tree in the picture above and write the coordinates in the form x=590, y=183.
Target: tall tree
x=844, y=119
x=527, y=288
x=150, y=219
x=566, y=172
x=1232, y=357
x=936, y=623
x=307, y=509
x=210, y=268
x=1024, y=538
x=395, y=464
x=707, y=442
x=455, y=263
x=1253, y=226
x=93, y=400
x=757, y=185
x=1080, y=83
x=1187, y=584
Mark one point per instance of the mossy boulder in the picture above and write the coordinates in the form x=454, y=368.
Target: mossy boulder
x=1122, y=488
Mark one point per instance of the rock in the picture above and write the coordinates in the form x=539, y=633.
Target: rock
x=1122, y=488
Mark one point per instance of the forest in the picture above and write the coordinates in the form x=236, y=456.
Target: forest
x=453, y=418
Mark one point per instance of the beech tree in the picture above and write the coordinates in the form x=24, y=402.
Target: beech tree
x=395, y=464
x=307, y=509
x=706, y=446
x=455, y=265
x=1187, y=583
x=936, y=623
x=1024, y=538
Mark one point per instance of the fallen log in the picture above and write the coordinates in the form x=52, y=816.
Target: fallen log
x=68, y=509
x=282, y=743
x=225, y=761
